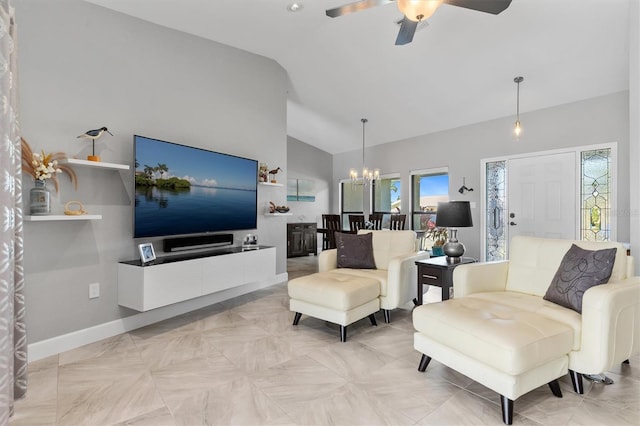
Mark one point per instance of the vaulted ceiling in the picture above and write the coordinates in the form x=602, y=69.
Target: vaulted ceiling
x=458, y=70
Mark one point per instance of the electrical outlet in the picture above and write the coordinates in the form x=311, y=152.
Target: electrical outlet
x=94, y=290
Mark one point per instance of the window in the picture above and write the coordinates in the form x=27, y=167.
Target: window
x=351, y=200
x=428, y=187
x=386, y=195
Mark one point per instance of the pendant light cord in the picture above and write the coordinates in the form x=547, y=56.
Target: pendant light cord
x=364, y=121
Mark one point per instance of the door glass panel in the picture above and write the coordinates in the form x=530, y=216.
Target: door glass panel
x=496, y=217
x=595, y=223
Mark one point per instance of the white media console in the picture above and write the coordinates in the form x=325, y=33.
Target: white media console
x=174, y=279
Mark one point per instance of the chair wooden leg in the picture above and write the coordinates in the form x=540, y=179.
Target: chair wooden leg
x=424, y=362
x=372, y=318
x=507, y=410
x=343, y=333
x=576, y=380
x=555, y=388
x=296, y=318
x=387, y=315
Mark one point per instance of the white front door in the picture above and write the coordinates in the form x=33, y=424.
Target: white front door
x=542, y=196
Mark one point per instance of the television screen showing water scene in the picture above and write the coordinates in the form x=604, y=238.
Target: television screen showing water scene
x=185, y=190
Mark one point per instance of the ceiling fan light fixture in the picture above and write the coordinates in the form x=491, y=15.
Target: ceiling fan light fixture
x=294, y=7
x=418, y=10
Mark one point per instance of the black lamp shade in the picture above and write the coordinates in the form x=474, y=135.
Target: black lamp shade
x=454, y=214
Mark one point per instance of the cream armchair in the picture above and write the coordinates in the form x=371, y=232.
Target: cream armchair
x=395, y=255
x=607, y=333
x=501, y=332
x=343, y=296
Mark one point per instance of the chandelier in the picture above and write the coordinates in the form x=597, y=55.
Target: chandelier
x=368, y=175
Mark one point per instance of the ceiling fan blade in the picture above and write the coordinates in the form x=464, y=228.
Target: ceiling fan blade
x=407, y=30
x=488, y=6
x=355, y=7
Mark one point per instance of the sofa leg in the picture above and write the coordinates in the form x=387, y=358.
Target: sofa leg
x=424, y=362
x=555, y=388
x=343, y=333
x=296, y=318
x=372, y=318
x=507, y=410
x=576, y=380
x=387, y=315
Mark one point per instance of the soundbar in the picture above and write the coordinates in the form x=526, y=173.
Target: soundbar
x=196, y=242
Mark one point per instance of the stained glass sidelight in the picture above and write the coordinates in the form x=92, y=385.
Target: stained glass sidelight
x=496, y=241
x=595, y=223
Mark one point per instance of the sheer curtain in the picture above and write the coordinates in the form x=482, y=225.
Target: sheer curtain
x=13, y=339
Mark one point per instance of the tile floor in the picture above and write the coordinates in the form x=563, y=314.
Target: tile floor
x=241, y=362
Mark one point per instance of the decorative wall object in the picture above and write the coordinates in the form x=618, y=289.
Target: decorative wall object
x=301, y=190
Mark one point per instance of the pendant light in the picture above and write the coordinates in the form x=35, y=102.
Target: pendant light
x=367, y=175
x=517, y=129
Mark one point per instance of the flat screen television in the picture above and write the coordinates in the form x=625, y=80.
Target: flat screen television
x=182, y=190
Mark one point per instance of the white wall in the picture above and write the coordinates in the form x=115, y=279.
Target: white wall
x=593, y=121
x=308, y=162
x=81, y=67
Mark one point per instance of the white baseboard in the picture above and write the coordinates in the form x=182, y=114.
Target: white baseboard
x=75, y=339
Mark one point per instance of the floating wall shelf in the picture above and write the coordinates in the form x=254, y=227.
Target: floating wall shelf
x=270, y=184
x=51, y=217
x=96, y=164
x=278, y=214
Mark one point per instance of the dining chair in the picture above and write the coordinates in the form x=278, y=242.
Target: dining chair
x=376, y=220
x=397, y=222
x=330, y=224
x=356, y=222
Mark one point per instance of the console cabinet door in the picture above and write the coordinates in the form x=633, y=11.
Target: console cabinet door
x=310, y=236
x=295, y=240
x=302, y=239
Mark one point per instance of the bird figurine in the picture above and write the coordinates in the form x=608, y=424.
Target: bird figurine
x=93, y=135
x=274, y=172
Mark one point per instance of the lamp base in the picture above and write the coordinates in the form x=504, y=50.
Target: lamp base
x=453, y=249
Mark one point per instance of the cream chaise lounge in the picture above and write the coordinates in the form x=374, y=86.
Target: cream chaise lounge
x=502, y=333
x=345, y=295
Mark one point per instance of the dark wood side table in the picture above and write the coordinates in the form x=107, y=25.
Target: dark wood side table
x=439, y=272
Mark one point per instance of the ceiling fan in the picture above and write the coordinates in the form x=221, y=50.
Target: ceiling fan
x=415, y=11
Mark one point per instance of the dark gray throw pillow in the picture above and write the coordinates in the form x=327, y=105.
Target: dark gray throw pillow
x=355, y=251
x=579, y=270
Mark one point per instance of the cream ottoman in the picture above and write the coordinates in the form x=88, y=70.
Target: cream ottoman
x=338, y=298
x=506, y=349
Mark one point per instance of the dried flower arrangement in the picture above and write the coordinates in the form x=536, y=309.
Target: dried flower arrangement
x=438, y=235
x=43, y=166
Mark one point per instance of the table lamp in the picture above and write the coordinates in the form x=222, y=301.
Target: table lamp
x=453, y=215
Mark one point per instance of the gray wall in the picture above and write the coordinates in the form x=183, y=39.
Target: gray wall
x=308, y=162
x=593, y=121
x=81, y=67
